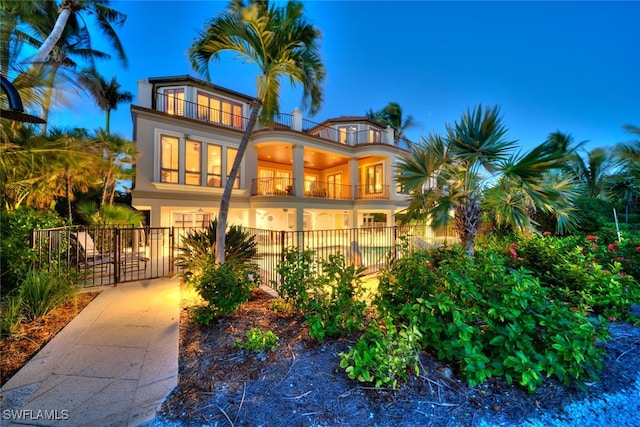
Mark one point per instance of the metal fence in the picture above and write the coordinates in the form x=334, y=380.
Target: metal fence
x=104, y=256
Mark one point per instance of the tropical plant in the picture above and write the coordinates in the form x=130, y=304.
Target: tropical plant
x=69, y=18
x=44, y=290
x=107, y=94
x=391, y=115
x=10, y=314
x=258, y=340
x=446, y=176
x=116, y=157
x=282, y=44
x=625, y=184
x=199, y=246
x=590, y=169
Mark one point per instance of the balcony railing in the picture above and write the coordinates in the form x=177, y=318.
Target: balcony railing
x=319, y=190
x=326, y=190
x=178, y=106
x=373, y=192
x=273, y=187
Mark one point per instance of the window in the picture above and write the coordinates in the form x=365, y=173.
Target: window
x=344, y=131
x=192, y=175
x=335, y=186
x=231, y=156
x=373, y=177
x=310, y=183
x=188, y=219
x=214, y=109
x=169, y=159
x=174, y=101
x=214, y=165
x=375, y=135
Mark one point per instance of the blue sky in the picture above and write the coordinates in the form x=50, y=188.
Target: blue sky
x=550, y=66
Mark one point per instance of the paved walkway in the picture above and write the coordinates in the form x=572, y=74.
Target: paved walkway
x=113, y=365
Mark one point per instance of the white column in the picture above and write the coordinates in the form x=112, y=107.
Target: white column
x=353, y=176
x=389, y=135
x=298, y=169
x=296, y=120
x=145, y=94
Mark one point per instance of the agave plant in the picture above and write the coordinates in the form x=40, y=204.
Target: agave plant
x=199, y=246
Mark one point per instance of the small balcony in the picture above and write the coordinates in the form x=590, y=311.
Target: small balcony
x=326, y=190
x=373, y=192
x=273, y=187
x=319, y=190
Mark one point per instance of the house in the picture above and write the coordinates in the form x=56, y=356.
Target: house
x=295, y=175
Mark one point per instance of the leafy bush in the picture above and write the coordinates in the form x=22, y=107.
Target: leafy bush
x=584, y=272
x=383, y=355
x=490, y=319
x=297, y=271
x=334, y=306
x=198, y=249
x=258, y=340
x=331, y=301
x=224, y=287
x=10, y=314
x=16, y=255
x=44, y=290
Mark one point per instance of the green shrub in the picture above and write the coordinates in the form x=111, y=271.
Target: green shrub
x=490, y=318
x=258, y=340
x=297, y=272
x=198, y=250
x=334, y=306
x=587, y=273
x=16, y=255
x=202, y=314
x=44, y=290
x=383, y=355
x=331, y=301
x=10, y=314
x=225, y=286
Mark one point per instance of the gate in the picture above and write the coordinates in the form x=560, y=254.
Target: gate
x=107, y=256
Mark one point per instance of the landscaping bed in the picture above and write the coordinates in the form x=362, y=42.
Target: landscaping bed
x=31, y=336
x=301, y=382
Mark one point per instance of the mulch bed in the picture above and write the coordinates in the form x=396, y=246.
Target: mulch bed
x=30, y=337
x=301, y=383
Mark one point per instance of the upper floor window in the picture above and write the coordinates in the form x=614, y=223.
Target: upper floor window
x=193, y=155
x=344, y=131
x=169, y=159
x=173, y=101
x=231, y=156
x=373, y=176
x=214, y=165
x=217, y=110
x=375, y=135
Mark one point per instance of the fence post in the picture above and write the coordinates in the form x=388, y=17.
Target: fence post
x=395, y=242
x=171, y=250
x=116, y=255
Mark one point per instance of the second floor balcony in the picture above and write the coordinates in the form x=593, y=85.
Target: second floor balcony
x=319, y=190
x=231, y=117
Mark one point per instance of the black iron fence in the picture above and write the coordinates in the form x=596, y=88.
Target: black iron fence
x=104, y=256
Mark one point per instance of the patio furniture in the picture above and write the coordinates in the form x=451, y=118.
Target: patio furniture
x=92, y=257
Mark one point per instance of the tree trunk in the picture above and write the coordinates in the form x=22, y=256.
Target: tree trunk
x=67, y=179
x=223, y=213
x=44, y=51
x=107, y=119
x=467, y=216
x=48, y=95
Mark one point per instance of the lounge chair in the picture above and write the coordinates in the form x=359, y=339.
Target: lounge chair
x=92, y=257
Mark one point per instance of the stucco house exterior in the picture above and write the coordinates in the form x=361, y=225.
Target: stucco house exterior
x=296, y=175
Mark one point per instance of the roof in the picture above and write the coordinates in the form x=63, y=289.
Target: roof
x=187, y=79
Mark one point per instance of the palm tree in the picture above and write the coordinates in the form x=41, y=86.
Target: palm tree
x=447, y=176
x=117, y=154
x=282, y=44
x=590, y=170
x=106, y=94
x=625, y=184
x=391, y=115
x=70, y=17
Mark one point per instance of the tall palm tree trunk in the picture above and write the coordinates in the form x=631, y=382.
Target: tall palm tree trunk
x=65, y=12
x=467, y=216
x=223, y=212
